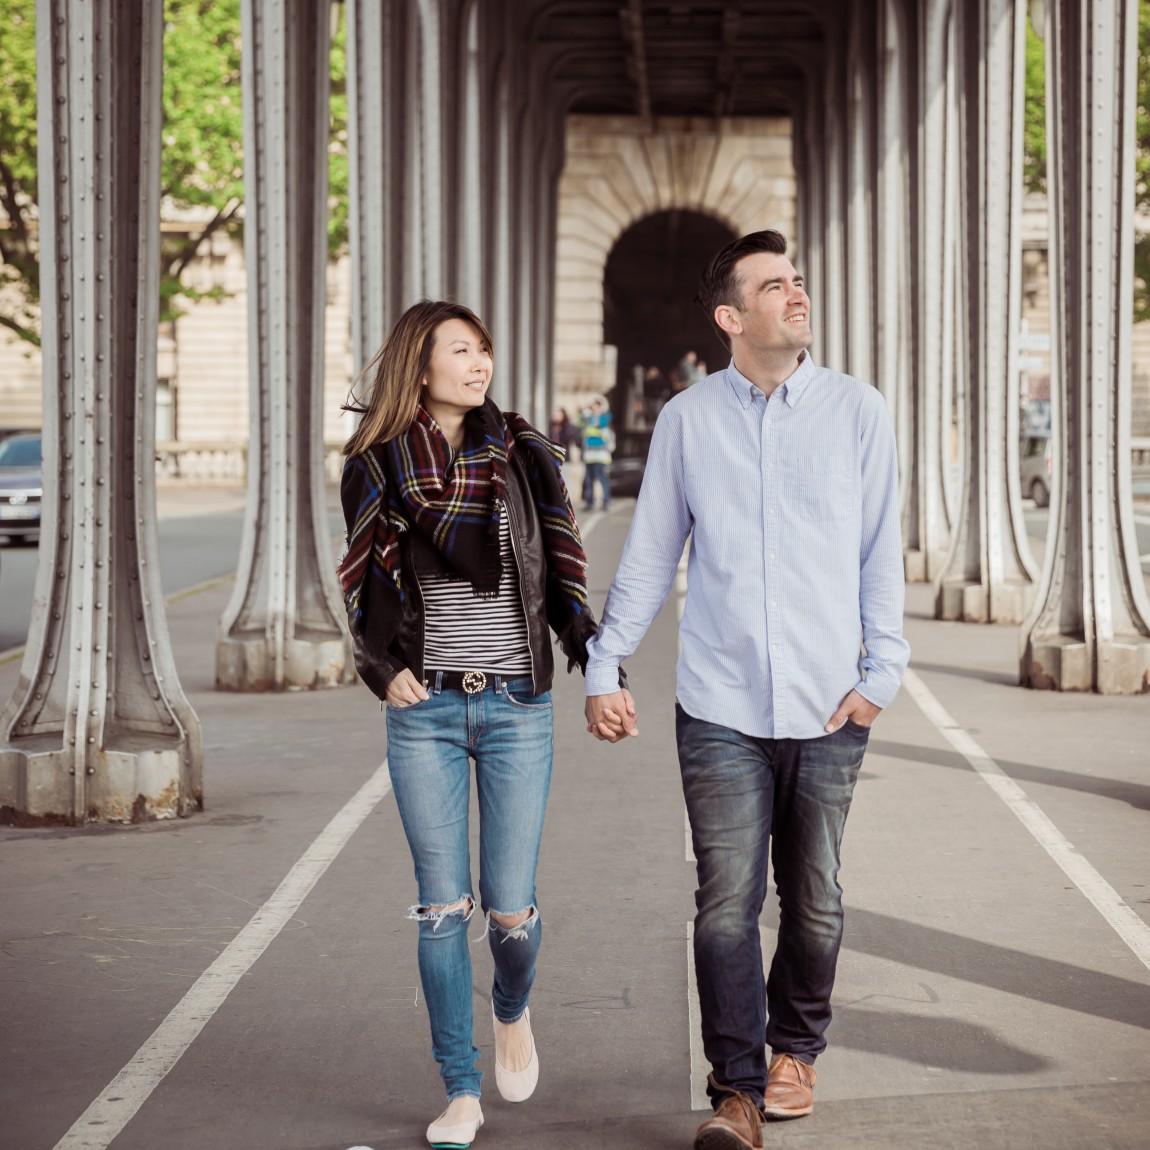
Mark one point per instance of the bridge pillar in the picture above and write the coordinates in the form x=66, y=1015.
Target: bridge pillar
x=989, y=574
x=926, y=525
x=284, y=627
x=1091, y=627
x=98, y=727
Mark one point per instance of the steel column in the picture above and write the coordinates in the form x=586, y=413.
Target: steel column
x=98, y=726
x=894, y=244
x=501, y=295
x=926, y=528
x=834, y=319
x=284, y=627
x=377, y=105
x=472, y=162
x=989, y=574
x=1091, y=626
x=860, y=174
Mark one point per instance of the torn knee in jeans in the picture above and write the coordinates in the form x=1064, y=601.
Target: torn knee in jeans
x=462, y=908
x=515, y=924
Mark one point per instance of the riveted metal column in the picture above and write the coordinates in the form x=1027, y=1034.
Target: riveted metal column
x=1091, y=627
x=472, y=161
x=860, y=195
x=526, y=268
x=989, y=574
x=809, y=149
x=893, y=234
x=98, y=726
x=284, y=627
x=437, y=87
x=926, y=528
x=834, y=319
x=378, y=100
x=547, y=197
x=501, y=294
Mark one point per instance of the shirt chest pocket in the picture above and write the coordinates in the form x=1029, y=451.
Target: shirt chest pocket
x=819, y=493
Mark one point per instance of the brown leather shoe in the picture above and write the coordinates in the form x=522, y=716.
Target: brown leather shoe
x=736, y=1124
x=790, y=1091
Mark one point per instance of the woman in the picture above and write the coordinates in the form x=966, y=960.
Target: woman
x=462, y=550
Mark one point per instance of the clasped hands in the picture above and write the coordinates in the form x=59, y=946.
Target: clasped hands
x=613, y=717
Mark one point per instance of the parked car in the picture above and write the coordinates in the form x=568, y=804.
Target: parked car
x=1036, y=465
x=628, y=462
x=21, y=486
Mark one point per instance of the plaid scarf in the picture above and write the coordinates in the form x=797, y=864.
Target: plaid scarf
x=416, y=483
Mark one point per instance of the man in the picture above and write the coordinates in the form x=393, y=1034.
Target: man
x=784, y=476
x=598, y=445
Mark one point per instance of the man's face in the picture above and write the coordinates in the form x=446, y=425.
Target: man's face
x=776, y=311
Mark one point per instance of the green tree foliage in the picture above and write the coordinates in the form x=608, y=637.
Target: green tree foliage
x=202, y=157
x=19, y=270
x=1034, y=136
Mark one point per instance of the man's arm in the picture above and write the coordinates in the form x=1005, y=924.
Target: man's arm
x=660, y=527
x=881, y=584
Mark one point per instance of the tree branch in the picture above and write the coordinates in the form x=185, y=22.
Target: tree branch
x=25, y=333
x=11, y=202
x=179, y=262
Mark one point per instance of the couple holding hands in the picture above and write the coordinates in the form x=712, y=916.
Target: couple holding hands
x=464, y=555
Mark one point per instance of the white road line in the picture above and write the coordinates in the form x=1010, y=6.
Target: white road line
x=118, y=1103
x=1107, y=901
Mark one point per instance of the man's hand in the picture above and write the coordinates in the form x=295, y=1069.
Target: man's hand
x=405, y=689
x=857, y=709
x=611, y=717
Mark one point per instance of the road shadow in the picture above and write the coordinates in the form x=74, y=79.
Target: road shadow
x=932, y=1040
x=1119, y=790
x=1029, y=976
x=998, y=678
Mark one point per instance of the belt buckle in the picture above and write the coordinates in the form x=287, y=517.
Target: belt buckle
x=474, y=682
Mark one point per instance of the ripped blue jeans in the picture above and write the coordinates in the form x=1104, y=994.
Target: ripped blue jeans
x=508, y=732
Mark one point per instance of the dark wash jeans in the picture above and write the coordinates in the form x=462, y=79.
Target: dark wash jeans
x=745, y=796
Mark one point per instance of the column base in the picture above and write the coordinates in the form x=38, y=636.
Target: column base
x=249, y=664
x=1067, y=663
x=983, y=603
x=139, y=784
x=922, y=566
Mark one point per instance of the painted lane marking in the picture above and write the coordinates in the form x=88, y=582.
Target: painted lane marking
x=119, y=1102
x=1106, y=900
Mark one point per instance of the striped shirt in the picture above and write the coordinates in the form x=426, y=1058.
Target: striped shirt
x=795, y=576
x=463, y=632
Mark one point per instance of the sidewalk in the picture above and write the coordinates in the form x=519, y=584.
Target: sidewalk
x=983, y=1000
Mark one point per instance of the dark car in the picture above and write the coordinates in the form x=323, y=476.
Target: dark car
x=628, y=462
x=21, y=486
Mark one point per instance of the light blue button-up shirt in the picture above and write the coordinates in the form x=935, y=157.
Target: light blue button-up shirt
x=795, y=576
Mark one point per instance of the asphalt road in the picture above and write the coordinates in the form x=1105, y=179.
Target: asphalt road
x=193, y=548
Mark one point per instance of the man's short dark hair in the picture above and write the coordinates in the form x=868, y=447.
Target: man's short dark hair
x=720, y=282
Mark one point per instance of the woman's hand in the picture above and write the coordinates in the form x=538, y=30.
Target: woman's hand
x=405, y=689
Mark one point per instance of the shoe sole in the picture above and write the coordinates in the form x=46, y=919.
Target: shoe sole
x=720, y=1139
x=781, y=1115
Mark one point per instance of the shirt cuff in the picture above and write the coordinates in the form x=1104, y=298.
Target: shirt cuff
x=601, y=677
x=878, y=689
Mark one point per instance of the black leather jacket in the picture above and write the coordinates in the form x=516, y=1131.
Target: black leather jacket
x=378, y=668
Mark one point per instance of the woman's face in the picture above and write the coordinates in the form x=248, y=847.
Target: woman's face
x=459, y=372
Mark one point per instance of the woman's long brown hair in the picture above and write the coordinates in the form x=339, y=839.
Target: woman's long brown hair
x=397, y=370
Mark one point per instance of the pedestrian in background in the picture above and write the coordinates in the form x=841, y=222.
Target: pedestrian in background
x=784, y=477
x=462, y=554
x=597, y=449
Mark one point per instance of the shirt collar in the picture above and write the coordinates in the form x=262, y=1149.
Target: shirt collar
x=792, y=387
